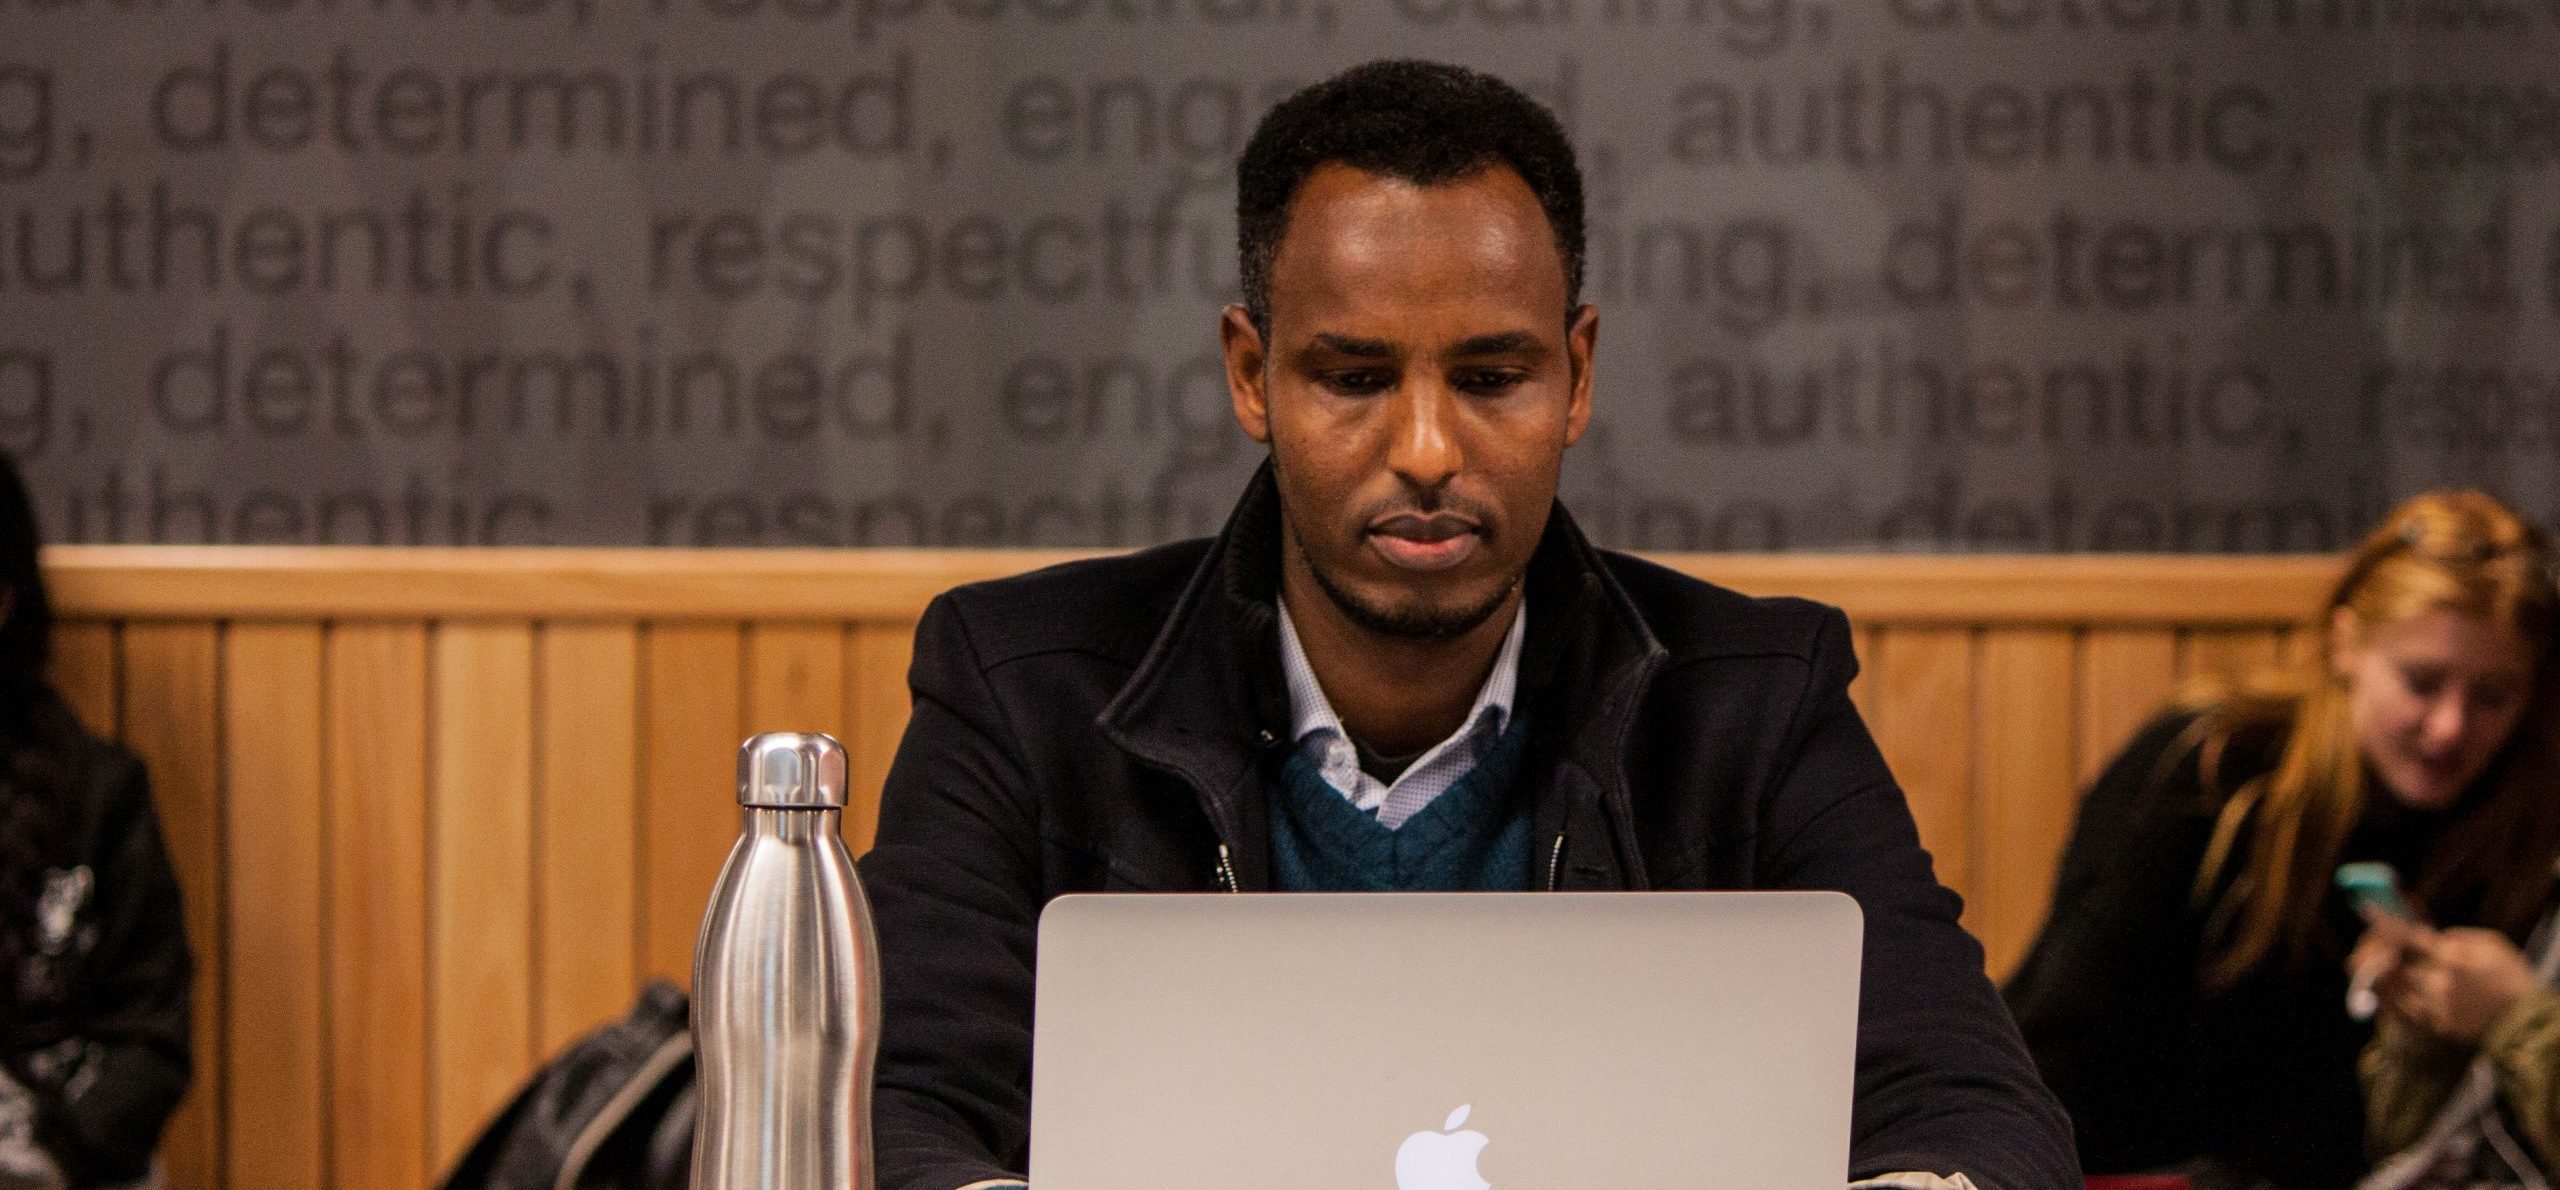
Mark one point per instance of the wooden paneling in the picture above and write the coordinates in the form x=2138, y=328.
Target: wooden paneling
x=2023, y=735
x=2227, y=652
x=340, y=583
x=290, y=582
x=172, y=682
x=2298, y=645
x=1924, y=717
x=690, y=688
x=437, y=812
x=587, y=858
x=796, y=678
x=85, y=669
x=276, y=906
x=480, y=924
x=876, y=695
x=377, y=692
x=2123, y=677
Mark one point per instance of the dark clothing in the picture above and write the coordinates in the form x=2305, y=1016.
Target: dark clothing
x=97, y=1026
x=1113, y=725
x=2257, y=1079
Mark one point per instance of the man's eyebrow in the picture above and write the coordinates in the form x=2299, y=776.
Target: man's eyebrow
x=1355, y=348
x=1505, y=343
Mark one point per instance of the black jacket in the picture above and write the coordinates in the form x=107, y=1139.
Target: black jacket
x=1108, y=725
x=2257, y=1079
x=98, y=1028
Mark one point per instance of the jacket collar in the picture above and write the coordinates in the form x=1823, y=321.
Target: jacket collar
x=1208, y=699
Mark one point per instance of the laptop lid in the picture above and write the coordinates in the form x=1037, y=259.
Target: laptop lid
x=1416, y=1041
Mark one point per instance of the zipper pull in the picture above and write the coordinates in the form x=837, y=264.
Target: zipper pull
x=1227, y=870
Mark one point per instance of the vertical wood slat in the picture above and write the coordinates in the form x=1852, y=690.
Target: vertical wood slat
x=1924, y=722
x=795, y=679
x=377, y=690
x=586, y=866
x=690, y=712
x=2125, y=677
x=2024, y=735
x=275, y=907
x=85, y=672
x=877, y=700
x=480, y=923
x=172, y=720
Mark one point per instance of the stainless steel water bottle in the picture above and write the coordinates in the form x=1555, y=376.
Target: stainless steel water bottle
x=786, y=985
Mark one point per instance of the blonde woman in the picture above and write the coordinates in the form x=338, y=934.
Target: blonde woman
x=2186, y=999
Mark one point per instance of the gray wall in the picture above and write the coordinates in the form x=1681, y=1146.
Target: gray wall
x=1901, y=274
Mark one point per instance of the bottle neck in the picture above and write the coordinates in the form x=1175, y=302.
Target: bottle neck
x=791, y=826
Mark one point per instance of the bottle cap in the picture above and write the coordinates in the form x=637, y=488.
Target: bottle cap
x=791, y=770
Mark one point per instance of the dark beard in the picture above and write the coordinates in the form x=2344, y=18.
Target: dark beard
x=1416, y=624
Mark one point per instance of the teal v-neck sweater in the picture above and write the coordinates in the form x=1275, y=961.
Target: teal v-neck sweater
x=1473, y=837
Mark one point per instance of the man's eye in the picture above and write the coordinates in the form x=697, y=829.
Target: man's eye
x=1356, y=382
x=1491, y=381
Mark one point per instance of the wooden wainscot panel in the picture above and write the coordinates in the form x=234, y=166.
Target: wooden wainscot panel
x=2023, y=733
x=480, y=927
x=690, y=703
x=86, y=670
x=378, y=700
x=436, y=812
x=2125, y=676
x=876, y=693
x=172, y=719
x=2228, y=653
x=1924, y=725
x=263, y=582
x=587, y=838
x=276, y=907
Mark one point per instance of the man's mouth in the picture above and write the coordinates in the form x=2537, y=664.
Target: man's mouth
x=1412, y=541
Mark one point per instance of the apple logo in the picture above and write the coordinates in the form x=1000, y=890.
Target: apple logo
x=1443, y=1160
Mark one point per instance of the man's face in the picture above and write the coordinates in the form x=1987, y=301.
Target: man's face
x=1417, y=391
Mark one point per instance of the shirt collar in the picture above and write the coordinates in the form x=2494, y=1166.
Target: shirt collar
x=1309, y=712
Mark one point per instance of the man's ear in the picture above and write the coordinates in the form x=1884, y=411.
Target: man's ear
x=1581, y=344
x=1245, y=364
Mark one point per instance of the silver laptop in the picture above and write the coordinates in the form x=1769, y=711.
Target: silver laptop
x=1412, y=1041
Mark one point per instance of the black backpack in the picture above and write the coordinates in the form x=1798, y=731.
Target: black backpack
x=614, y=1111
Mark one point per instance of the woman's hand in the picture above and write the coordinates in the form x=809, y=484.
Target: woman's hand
x=2454, y=983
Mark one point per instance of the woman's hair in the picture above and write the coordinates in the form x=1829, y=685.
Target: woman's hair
x=2278, y=837
x=31, y=784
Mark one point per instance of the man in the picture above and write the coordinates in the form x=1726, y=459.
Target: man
x=1401, y=666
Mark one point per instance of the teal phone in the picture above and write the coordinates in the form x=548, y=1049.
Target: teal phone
x=2375, y=886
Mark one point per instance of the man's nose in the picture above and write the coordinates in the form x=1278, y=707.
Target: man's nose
x=1424, y=451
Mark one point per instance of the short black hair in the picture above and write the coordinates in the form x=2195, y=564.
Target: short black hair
x=1422, y=122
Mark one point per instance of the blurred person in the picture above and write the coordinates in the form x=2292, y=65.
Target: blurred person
x=2187, y=998
x=1402, y=667
x=94, y=968
x=2462, y=1078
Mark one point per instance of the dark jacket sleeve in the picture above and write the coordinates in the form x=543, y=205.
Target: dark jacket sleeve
x=1943, y=1084
x=2106, y=995
x=102, y=1120
x=953, y=880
